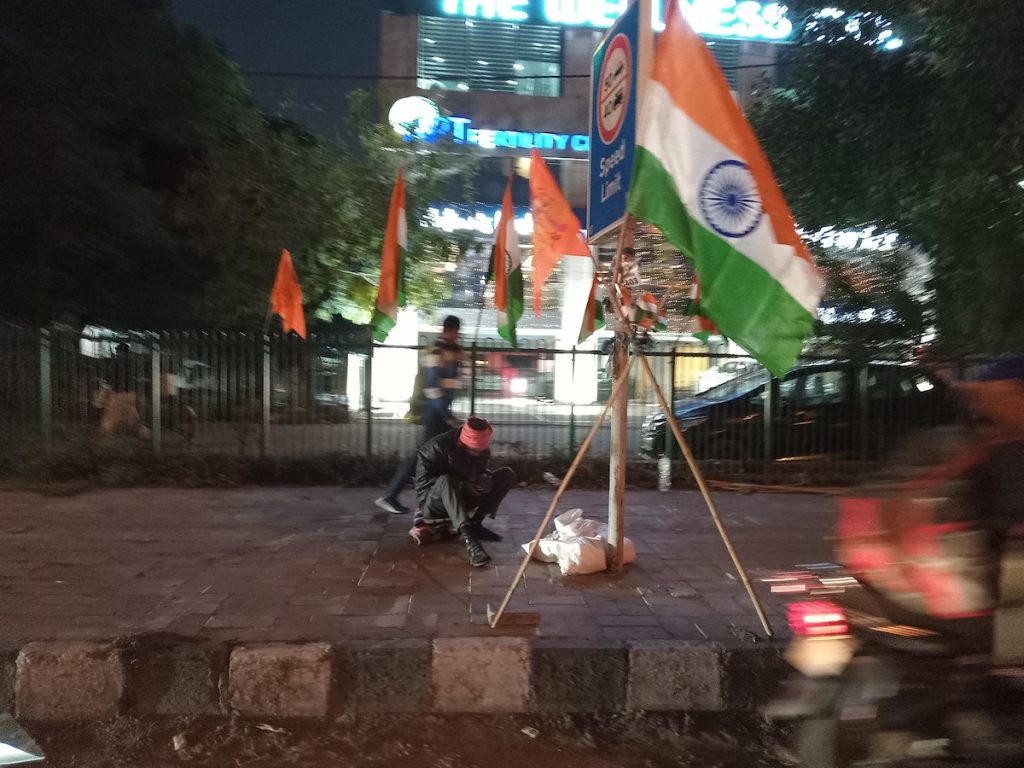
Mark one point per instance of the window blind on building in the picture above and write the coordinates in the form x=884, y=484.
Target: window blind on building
x=472, y=55
x=727, y=53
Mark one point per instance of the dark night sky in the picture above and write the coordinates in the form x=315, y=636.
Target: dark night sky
x=317, y=36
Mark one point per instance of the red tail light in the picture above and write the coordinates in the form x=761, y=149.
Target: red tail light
x=816, y=618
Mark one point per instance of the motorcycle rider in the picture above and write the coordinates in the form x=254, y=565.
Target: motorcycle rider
x=995, y=392
x=933, y=623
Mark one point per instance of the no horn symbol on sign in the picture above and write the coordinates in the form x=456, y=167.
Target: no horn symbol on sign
x=614, y=89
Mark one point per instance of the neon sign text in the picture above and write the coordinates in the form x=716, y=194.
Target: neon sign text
x=867, y=239
x=743, y=19
x=416, y=118
x=482, y=220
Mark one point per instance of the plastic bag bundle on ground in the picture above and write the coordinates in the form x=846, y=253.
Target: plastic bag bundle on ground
x=578, y=545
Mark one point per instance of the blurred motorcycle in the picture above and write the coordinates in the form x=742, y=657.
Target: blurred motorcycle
x=905, y=655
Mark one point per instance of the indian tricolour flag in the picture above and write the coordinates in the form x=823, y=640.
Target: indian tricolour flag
x=645, y=312
x=391, y=289
x=701, y=177
x=593, y=315
x=705, y=327
x=507, y=271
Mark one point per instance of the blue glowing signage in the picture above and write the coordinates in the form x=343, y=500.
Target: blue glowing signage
x=416, y=118
x=741, y=19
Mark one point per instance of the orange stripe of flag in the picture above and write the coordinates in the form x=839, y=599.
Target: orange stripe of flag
x=387, y=290
x=501, y=250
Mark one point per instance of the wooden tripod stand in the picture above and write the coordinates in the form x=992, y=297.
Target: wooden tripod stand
x=619, y=449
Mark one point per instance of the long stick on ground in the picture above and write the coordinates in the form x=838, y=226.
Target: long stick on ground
x=580, y=454
x=702, y=484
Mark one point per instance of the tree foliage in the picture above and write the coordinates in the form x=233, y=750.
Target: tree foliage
x=144, y=187
x=924, y=139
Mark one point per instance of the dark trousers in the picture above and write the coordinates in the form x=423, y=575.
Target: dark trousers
x=452, y=497
x=407, y=468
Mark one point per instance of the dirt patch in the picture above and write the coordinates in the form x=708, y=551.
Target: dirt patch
x=616, y=741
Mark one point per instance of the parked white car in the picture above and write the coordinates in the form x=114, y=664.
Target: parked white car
x=727, y=371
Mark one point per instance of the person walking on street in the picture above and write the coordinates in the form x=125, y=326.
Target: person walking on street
x=453, y=484
x=441, y=382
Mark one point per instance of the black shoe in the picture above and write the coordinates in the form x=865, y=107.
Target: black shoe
x=485, y=534
x=478, y=557
x=392, y=505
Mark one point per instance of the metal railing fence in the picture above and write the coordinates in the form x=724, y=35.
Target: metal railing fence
x=243, y=393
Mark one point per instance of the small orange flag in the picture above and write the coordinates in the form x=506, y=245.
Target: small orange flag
x=556, y=230
x=286, y=298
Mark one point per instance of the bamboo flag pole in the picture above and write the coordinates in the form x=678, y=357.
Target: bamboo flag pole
x=620, y=405
x=580, y=454
x=702, y=484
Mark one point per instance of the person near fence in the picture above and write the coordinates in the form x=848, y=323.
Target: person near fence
x=119, y=399
x=454, y=486
x=441, y=381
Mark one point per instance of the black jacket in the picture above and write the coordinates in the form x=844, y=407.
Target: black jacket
x=445, y=455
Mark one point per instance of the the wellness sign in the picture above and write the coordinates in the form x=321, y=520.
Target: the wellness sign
x=613, y=105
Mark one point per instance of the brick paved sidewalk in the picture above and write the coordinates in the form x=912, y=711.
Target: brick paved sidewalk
x=323, y=564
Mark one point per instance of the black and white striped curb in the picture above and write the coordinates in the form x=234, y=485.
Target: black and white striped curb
x=87, y=681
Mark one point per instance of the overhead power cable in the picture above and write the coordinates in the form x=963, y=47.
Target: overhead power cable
x=496, y=78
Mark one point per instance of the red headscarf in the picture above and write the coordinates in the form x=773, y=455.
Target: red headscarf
x=476, y=433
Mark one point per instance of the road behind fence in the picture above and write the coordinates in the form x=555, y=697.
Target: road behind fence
x=239, y=393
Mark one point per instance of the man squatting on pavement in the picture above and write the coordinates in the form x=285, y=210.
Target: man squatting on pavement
x=440, y=385
x=453, y=484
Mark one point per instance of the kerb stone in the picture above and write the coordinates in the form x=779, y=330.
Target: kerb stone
x=174, y=680
x=490, y=675
x=279, y=680
x=751, y=675
x=575, y=676
x=385, y=676
x=72, y=681
x=670, y=676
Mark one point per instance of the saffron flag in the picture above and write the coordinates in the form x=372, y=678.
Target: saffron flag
x=507, y=271
x=593, y=315
x=705, y=327
x=556, y=230
x=701, y=177
x=286, y=296
x=391, y=289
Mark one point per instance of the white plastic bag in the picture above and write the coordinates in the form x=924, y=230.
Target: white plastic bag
x=576, y=555
x=546, y=551
x=572, y=523
x=578, y=545
x=581, y=555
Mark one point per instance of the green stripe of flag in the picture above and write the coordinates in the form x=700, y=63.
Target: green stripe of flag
x=513, y=308
x=382, y=324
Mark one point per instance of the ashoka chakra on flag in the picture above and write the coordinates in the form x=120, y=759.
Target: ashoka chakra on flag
x=729, y=201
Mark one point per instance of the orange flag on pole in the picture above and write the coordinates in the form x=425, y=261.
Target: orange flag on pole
x=556, y=230
x=286, y=298
x=391, y=289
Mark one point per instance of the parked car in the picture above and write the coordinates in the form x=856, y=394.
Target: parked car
x=827, y=408
x=727, y=371
x=332, y=407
